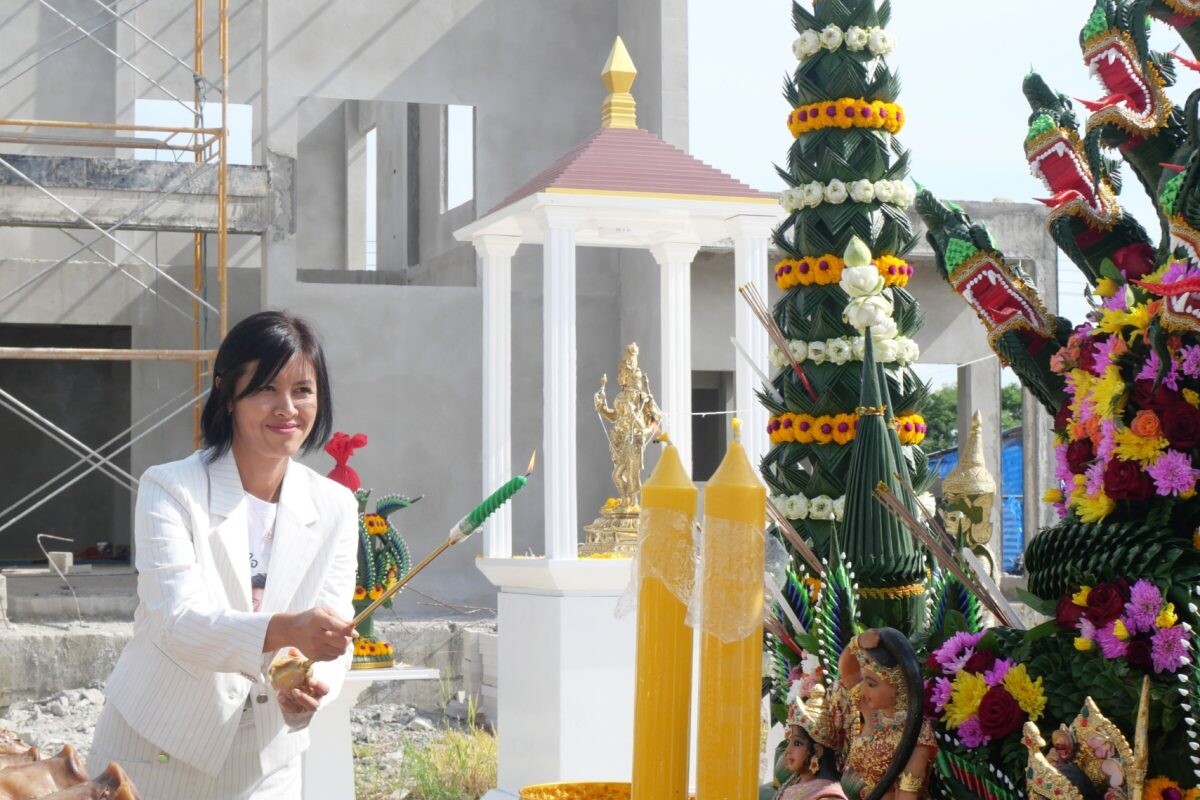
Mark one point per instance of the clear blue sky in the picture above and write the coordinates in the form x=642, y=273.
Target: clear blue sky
x=961, y=63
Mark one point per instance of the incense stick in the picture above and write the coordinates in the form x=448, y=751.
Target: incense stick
x=750, y=293
x=795, y=540
x=947, y=560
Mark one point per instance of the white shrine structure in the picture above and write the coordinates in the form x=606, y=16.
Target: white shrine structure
x=565, y=662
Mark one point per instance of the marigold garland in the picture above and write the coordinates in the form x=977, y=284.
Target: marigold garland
x=847, y=112
x=911, y=428
x=807, y=429
x=827, y=269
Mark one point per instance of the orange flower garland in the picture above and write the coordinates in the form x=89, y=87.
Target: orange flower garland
x=848, y=112
x=806, y=429
x=911, y=428
x=827, y=270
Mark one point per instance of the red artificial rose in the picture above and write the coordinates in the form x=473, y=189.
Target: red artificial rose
x=1160, y=399
x=1125, y=480
x=1137, y=653
x=1181, y=426
x=999, y=714
x=980, y=661
x=1087, y=354
x=1104, y=604
x=1067, y=613
x=1079, y=455
x=1135, y=260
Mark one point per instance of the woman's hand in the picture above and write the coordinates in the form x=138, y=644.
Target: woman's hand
x=868, y=639
x=303, y=700
x=318, y=633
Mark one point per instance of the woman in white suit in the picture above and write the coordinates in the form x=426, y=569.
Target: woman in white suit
x=240, y=551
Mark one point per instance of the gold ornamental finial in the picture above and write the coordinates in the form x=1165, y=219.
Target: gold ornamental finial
x=619, y=109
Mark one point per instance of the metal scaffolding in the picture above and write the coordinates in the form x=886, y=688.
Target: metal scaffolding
x=208, y=146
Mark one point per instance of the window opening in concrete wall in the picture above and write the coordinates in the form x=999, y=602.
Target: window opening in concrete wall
x=712, y=402
x=371, y=145
x=169, y=113
x=458, y=156
x=90, y=400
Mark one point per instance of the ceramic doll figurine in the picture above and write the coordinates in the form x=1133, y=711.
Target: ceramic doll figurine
x=813, y=765
x=875, y=719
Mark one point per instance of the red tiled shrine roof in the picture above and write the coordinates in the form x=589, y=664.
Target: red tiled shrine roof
x=629, y=160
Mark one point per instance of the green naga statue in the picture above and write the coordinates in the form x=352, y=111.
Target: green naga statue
x=1120, y=572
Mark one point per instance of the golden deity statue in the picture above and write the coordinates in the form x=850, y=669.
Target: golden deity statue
x=968, y=494
x=634, y=419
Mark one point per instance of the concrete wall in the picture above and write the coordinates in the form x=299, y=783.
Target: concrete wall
x=417, y=346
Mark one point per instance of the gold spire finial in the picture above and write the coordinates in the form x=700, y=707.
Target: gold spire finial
x=619, y=109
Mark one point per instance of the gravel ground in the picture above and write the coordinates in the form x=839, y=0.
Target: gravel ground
x=69, y=717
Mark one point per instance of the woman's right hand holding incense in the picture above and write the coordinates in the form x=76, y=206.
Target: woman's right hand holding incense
x=318, y=633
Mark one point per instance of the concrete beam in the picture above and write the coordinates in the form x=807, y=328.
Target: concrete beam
x=106, y=190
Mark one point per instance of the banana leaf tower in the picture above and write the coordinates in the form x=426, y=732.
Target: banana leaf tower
x=843, y=274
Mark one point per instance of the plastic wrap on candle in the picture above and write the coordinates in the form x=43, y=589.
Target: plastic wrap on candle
x=733, y=560
x=667, y=551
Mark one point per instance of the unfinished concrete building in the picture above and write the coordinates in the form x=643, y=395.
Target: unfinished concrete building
x=346, y=175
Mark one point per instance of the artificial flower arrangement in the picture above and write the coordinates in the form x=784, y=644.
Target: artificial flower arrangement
x=1129, y=434
x=1133, y=623
x=979, y=694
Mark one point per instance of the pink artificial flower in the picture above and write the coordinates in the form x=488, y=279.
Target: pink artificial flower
x=995, y=675
x=1168, y=648
x=1145, y=601
x=1173, y=473
x=1110, y=645
x=971, y=733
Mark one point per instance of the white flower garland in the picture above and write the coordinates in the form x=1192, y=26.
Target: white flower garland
x=836, y=192
x=821, y=507
x=854, y=38
x=888, y=350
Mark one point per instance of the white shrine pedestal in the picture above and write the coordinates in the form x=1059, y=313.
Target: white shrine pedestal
x=565, y=671
x=328, y=764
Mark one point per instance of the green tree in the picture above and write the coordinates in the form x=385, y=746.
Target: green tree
x=941, y=415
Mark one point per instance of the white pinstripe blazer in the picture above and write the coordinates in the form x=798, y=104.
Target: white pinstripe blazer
x=196, y=652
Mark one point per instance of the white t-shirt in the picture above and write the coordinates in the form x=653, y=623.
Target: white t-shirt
x=260, y=519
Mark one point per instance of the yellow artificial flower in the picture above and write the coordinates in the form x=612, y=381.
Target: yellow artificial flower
x=1052, y=495
x=1082, y=380
x=1145, y=450
x=1109, y=393
x=1192, y=397
x=1092, y=509
x=1120, y=631
x=1080, y=598
x=1106, y=287
x=1112, y=321
x=1026, y=691
x=1083, y=645
x=1167, y=617
x=1155, y=787
x=966, y=693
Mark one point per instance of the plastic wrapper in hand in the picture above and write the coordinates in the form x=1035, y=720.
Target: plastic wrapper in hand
x=728, y=598
x=666, y=551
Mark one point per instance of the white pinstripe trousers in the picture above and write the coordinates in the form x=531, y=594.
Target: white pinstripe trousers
x=240, y=778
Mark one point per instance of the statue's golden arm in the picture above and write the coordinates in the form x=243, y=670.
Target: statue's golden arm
x=601, y=401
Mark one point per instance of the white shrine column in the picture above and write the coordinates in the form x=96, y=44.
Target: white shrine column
x=558, y=380
x=750, y=238
x=675, y=319
x=494, y=254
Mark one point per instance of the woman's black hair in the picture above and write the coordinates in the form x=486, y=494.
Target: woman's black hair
x=272, y=338
x=827, y=763
x=894, y=650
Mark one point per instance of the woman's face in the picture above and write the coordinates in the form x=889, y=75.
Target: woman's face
x=877, y=694
x=274, y=421
x=798, y=752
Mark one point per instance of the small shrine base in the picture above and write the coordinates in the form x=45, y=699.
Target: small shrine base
x=615, y=532
x=565, y=669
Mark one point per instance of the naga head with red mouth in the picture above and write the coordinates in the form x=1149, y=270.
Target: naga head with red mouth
x=1186, y=10
x=1180, y=308
x=1003, y=300
x=1134, y=99
x=1056, y=157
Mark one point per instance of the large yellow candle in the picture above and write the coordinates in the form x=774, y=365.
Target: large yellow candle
x=731, y=597
x=663, y=696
